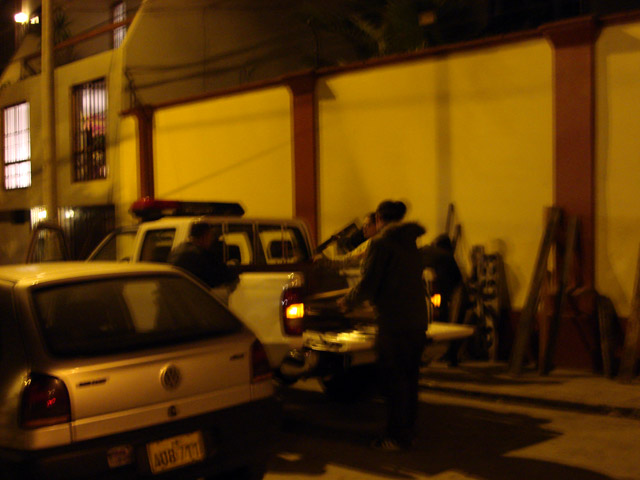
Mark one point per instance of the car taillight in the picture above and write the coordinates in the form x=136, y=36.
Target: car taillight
x=45, y=401
x=260, y=368
x=292, y=310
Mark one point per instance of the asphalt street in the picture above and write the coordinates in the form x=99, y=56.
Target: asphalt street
x=460, y=438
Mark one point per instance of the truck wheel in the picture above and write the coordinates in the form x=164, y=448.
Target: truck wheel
x=483, y=345
x=252, y=472
x=350, y=385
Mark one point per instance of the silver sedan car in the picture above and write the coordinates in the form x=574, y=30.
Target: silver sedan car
x=113, y=370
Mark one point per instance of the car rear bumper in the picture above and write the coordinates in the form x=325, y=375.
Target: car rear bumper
x=233, y=438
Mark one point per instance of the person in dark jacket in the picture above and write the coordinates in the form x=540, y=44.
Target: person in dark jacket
x=196, y=255
x=439, y=256
x=392, y=282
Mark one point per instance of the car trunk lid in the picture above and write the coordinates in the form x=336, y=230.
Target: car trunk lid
x=117, y=395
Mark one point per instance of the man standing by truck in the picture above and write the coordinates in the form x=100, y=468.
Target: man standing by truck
x=196, y=255
x=392, y=282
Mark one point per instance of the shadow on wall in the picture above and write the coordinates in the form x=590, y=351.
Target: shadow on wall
x=613, y=42
x=242, y=163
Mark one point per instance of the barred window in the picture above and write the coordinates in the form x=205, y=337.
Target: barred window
x=119, y=14
x=17, y=146
x=90, y=122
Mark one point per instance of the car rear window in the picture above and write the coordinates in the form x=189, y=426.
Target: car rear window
x=128, y=313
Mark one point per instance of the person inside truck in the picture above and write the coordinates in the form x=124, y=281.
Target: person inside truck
x=354, y=258
x=198, y=256
x=392, y=282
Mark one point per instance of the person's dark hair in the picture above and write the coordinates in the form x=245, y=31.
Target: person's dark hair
x=390, y=211
x=199, y=229
x=371, y=217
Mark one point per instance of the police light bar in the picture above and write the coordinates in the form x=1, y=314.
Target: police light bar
x=151, y=209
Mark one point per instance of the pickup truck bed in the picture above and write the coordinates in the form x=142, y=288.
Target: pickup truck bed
x=334, y=343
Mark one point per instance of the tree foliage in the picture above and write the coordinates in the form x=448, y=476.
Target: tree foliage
x=382, y=27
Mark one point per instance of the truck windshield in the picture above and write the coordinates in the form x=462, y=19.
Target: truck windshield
x=128, y=313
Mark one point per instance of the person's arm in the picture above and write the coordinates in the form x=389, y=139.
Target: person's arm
x=352, y=259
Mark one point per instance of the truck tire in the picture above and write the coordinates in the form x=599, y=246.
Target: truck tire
x=483, y=345
x=251, y=472
x=351, y=384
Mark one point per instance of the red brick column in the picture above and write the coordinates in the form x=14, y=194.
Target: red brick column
x=144, y=115
x=304, y=150
x=574, y=118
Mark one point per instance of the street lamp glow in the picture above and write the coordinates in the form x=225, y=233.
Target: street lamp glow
x=21, y=17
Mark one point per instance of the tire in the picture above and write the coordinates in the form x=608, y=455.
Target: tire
x=254, y=472
x=250, y=472
x=491, y=339
x=483, y=345
x=351, y=384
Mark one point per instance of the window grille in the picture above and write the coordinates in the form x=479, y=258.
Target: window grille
x=17, y=147
x=90, y=122
x=119, y=15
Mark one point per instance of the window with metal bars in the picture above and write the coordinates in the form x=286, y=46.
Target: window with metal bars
x=119, y=14
x=17, y=146
x=89, y=133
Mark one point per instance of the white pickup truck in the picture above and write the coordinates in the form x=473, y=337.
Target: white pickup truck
x=285, y=298
x=272, y=256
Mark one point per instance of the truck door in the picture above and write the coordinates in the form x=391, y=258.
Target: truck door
x=47, y=244
x=117, y=246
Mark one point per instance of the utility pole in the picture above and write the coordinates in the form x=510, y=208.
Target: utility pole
x=49, y=177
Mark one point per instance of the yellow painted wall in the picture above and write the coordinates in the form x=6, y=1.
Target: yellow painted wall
x=618, y=162
x=94, y=192
x=473, y=129
x=233, y=149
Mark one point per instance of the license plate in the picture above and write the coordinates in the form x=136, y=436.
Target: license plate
x=175, y=452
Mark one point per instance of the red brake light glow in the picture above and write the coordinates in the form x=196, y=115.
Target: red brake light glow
x=292, y=310
x=45, y=401
x=148, y=208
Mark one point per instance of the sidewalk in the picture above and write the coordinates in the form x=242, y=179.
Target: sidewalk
x=563, y=389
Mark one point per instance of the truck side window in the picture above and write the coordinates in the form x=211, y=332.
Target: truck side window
x=282, y=244
x=300, y=252
x=117, y=246
x=238, y=244
x=157, y=245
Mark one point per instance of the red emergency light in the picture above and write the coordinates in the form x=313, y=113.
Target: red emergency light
x=151, y=209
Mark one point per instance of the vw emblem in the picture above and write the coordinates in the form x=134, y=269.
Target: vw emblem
x=170, y=377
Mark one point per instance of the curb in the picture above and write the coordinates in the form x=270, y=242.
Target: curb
x=626, y=412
